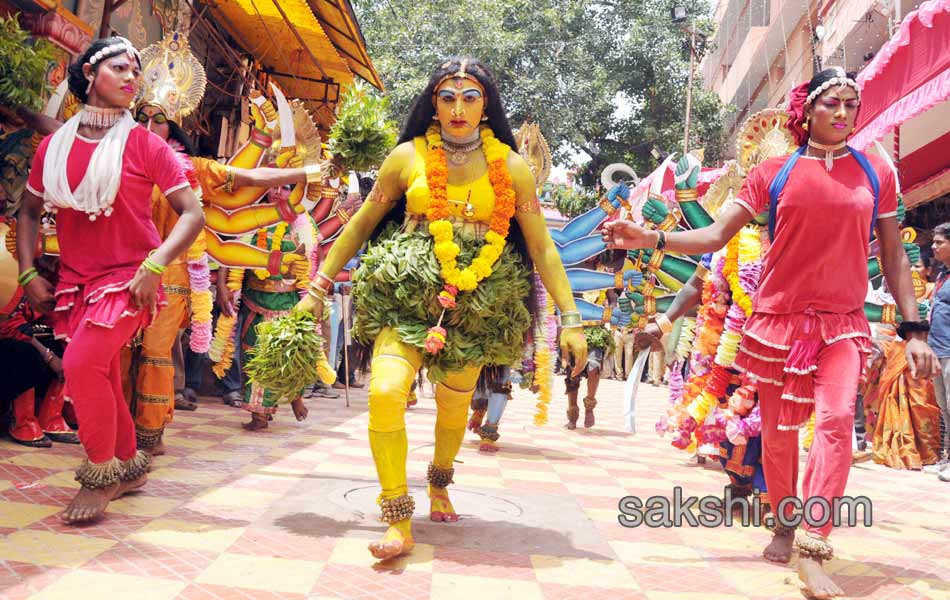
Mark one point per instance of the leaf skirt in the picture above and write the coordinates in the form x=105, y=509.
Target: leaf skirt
x=397, y=285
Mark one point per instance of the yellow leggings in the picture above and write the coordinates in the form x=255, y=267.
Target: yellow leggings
x=394, y=368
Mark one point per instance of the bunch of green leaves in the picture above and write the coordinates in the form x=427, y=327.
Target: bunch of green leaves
x=363, y=132
x=284, y=360
x=598, y=337
x=23, y=66
x=397, y=286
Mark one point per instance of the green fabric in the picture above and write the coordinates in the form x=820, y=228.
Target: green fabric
x=598, y=337
x=397, y=285
x=276, y=301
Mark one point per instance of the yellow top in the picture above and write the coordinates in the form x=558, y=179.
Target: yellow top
x=417, y=195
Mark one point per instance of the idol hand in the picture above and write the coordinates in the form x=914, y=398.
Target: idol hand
x=574, y=344
x=621, y=190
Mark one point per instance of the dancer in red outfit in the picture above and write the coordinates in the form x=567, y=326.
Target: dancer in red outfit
x=806, y=339
x=96, y=173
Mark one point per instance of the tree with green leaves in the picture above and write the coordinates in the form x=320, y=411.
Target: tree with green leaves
x=607, y=77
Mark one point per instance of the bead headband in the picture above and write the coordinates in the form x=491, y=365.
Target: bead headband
x=113, y=50
x=460, y=74
x=841, y=79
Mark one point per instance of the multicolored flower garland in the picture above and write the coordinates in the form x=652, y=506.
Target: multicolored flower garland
x=446, y=249
x=545, y=336
x=201, y=299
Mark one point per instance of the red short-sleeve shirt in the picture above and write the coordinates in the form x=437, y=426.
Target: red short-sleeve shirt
x=818, y=258
x=112, y=247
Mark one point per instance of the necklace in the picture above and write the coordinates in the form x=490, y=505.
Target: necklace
x=458, y=153
x=829, y=152
x=100, y=118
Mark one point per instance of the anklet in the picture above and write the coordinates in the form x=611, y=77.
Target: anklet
x=96, y=476
x=397, y=509
x=813, y=546
x=489, y=432
x=136, y=466
x=439, y=477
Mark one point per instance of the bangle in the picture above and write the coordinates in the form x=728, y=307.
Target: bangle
x=571, y=319
x=316, y=293
x=322, y=283
x=660, y=239
x=261, y=138
x=663, y=322
x=908, y=327
x=49, y=356
x=153, y=266
x=27, y=276
x=312, y=172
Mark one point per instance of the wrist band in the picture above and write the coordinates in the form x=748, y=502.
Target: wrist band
x=908, y=327
x=153, y=266
x=312, y=172
x=660, y=239
x=228, y=185
x=261, y=139
x=274, y=261
x=571, y=319
x=663, y=322
x=27, y=276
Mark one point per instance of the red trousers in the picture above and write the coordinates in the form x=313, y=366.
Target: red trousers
x=94, y=383
x=829, y=459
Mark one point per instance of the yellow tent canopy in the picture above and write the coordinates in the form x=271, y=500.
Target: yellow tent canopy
x=298, y=47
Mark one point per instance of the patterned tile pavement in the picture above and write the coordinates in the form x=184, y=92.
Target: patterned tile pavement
x=235, y=515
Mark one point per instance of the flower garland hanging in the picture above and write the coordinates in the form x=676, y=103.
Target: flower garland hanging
x=440, y=227
x=222, y=346
x=545, y=336
x=201, y=299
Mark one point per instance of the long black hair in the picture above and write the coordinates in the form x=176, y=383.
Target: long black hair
x=175, y=132
x=77, y=79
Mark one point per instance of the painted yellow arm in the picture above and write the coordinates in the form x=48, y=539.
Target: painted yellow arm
x=544, y=254
x=241, y=255
x=390, y=185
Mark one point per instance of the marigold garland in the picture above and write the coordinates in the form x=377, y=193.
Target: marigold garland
x=545, y=335
x=222, y=346
x=445, y=248
x=275, y=242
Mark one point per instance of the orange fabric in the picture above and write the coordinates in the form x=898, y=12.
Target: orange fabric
x=154, y=400
x=907, y=431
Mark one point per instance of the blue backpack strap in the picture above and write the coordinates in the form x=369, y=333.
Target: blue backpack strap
x=872, y=177
x=778, y=184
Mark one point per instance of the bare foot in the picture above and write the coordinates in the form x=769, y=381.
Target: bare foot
x=158, y=449
x=588, y=419
x=441, y=509
x=488, y=446
x=258, y=422
x=397, y=541
x=129, y=486
x=300, y=409
x=817, y=583
x=779, y=549
x=89, y=504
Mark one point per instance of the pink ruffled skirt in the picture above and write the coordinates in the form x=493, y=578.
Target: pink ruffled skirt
x=782, y=350
x=101, y=303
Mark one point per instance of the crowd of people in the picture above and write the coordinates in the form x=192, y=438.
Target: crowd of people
x=439, y=270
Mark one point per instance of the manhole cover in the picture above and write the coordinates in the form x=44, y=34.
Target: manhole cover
x=482, y=505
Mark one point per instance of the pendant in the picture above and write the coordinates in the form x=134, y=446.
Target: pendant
x=458, y=158
x=469, y=210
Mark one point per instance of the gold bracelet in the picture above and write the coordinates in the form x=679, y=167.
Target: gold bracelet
x=570, y=319
x=312, y=172
x=663, y=322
